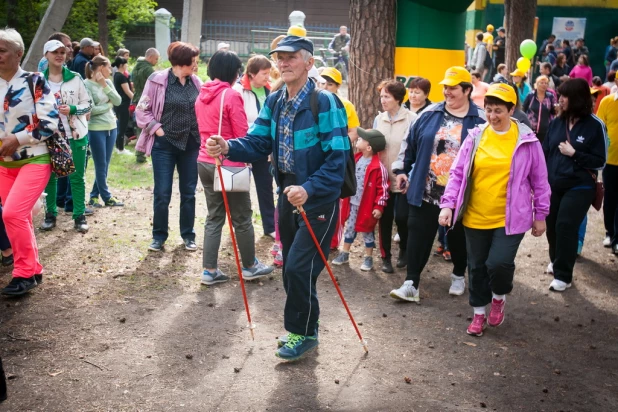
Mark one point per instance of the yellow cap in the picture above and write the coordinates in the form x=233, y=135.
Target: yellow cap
x=297, y=31
x=518, y=73
x=502, y=91
x=333, y=74
x=456, y=75
x=490, y=27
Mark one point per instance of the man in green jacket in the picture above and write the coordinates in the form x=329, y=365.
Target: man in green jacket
x=141, y=72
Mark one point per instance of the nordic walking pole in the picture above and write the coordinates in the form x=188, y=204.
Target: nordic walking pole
x=233, y=235
x=332, y=277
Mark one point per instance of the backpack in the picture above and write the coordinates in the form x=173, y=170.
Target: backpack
x=349, y=181
x=488, y=63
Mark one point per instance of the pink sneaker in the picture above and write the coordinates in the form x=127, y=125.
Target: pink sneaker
x=478, y=325
x=496, y=314
x=275, y=249
x=278, y=261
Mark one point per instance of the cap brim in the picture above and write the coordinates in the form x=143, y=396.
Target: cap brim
x=362, y=133
x=498, y=96
x=53, y=49
x=285, y=49
x=450, y=82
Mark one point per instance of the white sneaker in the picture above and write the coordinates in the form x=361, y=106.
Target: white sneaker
x=550, y=269
x=458, y=285
x=396, y=238
x=123, y=152
x=559, y=286
x=607, y=242
x=406, y=292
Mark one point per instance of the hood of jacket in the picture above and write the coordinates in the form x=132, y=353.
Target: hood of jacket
x=246, y=83
x=210, y=90
x=66, y=74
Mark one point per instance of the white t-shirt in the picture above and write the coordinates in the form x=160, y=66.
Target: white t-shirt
x=55, y=89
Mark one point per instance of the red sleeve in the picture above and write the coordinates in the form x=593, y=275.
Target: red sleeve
x=237, y=115
x=382, y=185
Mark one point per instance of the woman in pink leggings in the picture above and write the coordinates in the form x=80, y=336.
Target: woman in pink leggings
x=28, y=117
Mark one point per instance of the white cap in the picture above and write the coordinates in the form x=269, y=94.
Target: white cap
x=222, y=45
x=313, y=73
x=52, y=45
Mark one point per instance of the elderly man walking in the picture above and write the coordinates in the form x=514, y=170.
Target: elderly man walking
x=309, y=159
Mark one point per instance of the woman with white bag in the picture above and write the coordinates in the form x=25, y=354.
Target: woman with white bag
x=220, y=111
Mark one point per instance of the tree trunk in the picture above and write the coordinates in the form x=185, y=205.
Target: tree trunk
x=519, y=17
x=103, y=29
x=372, y=53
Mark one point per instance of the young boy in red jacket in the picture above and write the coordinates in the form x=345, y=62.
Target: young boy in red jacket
x=363, y=210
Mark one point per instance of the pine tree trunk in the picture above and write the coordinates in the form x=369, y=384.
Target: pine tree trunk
x=520, y=16
x=372, y=53
x=103, y=29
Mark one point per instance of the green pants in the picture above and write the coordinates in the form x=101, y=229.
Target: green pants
x=77, y=181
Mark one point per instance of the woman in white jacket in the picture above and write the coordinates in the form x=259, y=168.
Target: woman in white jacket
x=254, y=87
x=73, y=104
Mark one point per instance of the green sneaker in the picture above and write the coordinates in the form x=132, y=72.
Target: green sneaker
x=112, y=201
x=297, y=346
x=94, y=202
x=282, y=340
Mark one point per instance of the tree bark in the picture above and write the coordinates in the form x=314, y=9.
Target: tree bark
x=372, y=53
x=103, y=28
x=519, y=16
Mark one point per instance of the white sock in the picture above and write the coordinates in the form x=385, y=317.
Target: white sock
x=479, y=310
x=499, y=297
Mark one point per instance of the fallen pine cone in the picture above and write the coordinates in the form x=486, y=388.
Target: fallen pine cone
x=407, y=380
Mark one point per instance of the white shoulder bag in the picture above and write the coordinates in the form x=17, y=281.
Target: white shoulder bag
x=235, y=179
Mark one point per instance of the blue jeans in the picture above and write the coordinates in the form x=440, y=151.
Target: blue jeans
x=101, y=145
x=581, y=233
x=264, y=188
x=166, y=158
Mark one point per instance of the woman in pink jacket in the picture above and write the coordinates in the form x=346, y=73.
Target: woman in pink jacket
x=498, y=187
x=224, y=68
x=582, y=70
x=166, y=114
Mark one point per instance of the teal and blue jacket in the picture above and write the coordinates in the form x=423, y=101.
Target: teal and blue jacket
x=320, y=150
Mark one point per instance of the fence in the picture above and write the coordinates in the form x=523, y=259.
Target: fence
x=244, y=37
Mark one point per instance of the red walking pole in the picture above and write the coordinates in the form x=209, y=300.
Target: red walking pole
x=233, y=235
x=332, y=277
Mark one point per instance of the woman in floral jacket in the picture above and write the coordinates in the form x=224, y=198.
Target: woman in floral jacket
x=30, y=117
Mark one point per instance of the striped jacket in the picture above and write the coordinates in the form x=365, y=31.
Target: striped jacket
x=375, y=195
x=320, y=150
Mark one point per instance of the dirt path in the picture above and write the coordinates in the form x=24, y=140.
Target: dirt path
x=114, y=328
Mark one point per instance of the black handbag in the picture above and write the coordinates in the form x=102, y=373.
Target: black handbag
x=58, y=147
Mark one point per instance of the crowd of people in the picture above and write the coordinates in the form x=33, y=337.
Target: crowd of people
x=492, y=161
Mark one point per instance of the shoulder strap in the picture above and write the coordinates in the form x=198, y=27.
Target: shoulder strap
x=221, y=111
x=313, y=102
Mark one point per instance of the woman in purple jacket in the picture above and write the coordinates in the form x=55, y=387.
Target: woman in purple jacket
x=498, y=188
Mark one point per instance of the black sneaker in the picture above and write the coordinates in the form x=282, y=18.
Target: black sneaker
x=49, y=223
x=94, y=202
x=156, y=245
x=402, y=260
x=387, y=266
x=7, y=260
x=190, y=245
x=39, y=278
x=80, y=224
x=19, y=286
x=112, y=201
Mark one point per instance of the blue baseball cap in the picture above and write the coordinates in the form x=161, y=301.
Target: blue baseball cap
x=292, y=44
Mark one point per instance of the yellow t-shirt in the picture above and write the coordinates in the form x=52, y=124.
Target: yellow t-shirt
x=486, y=207
x=351, y=112
x=608, y=113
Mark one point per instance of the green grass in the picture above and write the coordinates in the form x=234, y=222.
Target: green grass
x=124, y=173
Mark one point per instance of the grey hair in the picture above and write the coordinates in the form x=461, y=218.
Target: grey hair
x=306, y=55
x=152, y=52
x=12, y=37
